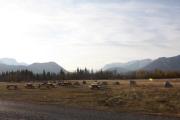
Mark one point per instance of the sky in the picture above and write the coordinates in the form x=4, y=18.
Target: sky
x=88, y=33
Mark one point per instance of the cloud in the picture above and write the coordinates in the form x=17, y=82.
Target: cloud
x=96, y=29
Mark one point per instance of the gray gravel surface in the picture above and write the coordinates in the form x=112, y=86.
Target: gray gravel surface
x=23, y=111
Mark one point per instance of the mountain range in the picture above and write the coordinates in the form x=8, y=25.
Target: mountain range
x=163, y=63
x=129, y=66
x=8, y=64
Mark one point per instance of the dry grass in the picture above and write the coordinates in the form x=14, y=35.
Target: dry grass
x=147, y=96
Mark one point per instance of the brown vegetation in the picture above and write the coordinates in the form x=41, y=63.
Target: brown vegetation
x=148, y=96
x=12, y=87
x=29, y=86
x=116, y=83
x=132, y=83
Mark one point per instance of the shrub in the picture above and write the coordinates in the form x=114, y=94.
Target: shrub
x=84, y=82
x=76, y=83
x=116, y=83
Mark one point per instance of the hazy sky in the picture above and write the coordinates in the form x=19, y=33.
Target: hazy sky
x=88, y=33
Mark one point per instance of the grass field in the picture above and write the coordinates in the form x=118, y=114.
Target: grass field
x=146, y=97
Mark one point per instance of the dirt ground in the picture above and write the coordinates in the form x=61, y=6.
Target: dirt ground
x=24, y=111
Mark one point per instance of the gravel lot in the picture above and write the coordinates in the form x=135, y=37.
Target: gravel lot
x=23, y=111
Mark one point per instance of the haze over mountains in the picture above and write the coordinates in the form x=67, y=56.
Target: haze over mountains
x=11, y=61
x=129, y=66
x=163, y=63
x=9, y=64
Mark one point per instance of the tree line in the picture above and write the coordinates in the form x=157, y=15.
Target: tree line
x=84, y=74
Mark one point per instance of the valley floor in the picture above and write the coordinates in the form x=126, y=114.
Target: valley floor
x=119, y=101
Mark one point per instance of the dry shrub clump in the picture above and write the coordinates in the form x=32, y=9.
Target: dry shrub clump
x=84, y=82
x=116, y=83
x=104, y=83
x=77, y=83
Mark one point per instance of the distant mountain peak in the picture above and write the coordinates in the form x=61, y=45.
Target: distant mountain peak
x=10, y=64
x=128, y=66
x=165, y=64
x=47, y=66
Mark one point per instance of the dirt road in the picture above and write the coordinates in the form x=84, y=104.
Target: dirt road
x=23, y=111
